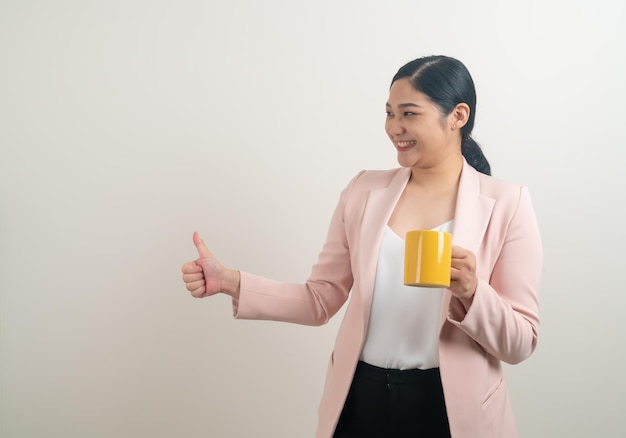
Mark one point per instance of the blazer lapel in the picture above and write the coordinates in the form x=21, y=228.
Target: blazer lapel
x=471, y=218
x=378, y=208
x=473, y=211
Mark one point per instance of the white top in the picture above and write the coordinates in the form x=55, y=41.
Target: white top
x=403, y=330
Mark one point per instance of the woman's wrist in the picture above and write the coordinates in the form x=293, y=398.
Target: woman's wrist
x=467, y=302
x=231, y=283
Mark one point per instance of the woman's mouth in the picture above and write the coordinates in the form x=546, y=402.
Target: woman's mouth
x=405, y=145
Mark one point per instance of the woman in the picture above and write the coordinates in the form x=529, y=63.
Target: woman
x=411, y=362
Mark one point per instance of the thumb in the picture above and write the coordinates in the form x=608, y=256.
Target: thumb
x=203, y=251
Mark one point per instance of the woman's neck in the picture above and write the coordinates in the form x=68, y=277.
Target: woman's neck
x=441, y=177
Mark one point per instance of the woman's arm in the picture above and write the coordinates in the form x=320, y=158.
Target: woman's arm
x=503, y=315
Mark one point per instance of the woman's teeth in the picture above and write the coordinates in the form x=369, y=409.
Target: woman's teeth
x=404, y=144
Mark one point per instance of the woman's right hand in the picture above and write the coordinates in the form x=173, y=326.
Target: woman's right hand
x=206, y=276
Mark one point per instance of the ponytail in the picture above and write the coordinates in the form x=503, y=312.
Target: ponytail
x=474, y=155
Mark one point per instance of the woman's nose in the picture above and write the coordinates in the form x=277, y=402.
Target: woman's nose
x=395, y=127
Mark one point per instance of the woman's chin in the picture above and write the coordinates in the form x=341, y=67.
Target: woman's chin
x=406, y=160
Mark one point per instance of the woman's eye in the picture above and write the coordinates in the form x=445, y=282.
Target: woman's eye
x=408, y=113
x=388, y=113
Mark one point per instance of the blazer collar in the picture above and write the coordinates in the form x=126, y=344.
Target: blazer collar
x=378, y=208
x=472, y=212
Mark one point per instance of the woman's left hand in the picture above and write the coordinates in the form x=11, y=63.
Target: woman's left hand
x=463, y=280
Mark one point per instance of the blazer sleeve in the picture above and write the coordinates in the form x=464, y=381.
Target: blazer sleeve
x=323, y=293
x=504, y=315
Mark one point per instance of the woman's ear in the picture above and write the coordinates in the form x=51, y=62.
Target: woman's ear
x=459, y=116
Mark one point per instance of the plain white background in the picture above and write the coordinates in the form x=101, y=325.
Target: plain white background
x=127, y=125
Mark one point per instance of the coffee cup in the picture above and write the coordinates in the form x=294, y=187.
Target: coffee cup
x=427, y=258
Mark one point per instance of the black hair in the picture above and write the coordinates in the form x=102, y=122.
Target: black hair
x=447, y=82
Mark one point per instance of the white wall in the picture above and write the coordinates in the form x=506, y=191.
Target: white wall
x=126, y=125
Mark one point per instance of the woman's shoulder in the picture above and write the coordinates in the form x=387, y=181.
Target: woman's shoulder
x=489, y=183
x=370, y=179
x=506, y=194
x=367, y=180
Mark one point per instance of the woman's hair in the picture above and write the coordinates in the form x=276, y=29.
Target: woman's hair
x=447, y=82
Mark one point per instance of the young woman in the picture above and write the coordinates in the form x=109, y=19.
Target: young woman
x=412, y=362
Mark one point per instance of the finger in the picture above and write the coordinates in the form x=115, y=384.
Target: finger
x=462, y=258
x=195, y=286
x=203, y=251
x=198, y=293
x=191, y=268
x=458, y=252
x=188, y=278
x=460, y=263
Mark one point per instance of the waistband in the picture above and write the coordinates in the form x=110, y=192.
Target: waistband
x=391, y=375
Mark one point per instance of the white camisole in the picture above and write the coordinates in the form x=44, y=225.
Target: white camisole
x=403, y=331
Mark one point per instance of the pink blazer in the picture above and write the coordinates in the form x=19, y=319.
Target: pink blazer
x=493, y=219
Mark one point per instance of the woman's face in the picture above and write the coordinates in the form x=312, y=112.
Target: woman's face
x=421, y=135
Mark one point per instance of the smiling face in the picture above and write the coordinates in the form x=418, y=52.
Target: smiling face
x=423, y=137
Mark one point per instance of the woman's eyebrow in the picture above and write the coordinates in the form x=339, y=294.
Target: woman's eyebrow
x=405, y=105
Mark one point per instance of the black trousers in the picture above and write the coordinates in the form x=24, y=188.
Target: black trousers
x=388, y=403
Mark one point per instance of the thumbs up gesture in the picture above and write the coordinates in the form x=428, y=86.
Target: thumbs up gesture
x=205, y=276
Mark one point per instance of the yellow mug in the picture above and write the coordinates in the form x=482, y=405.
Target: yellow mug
x=427, y=258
